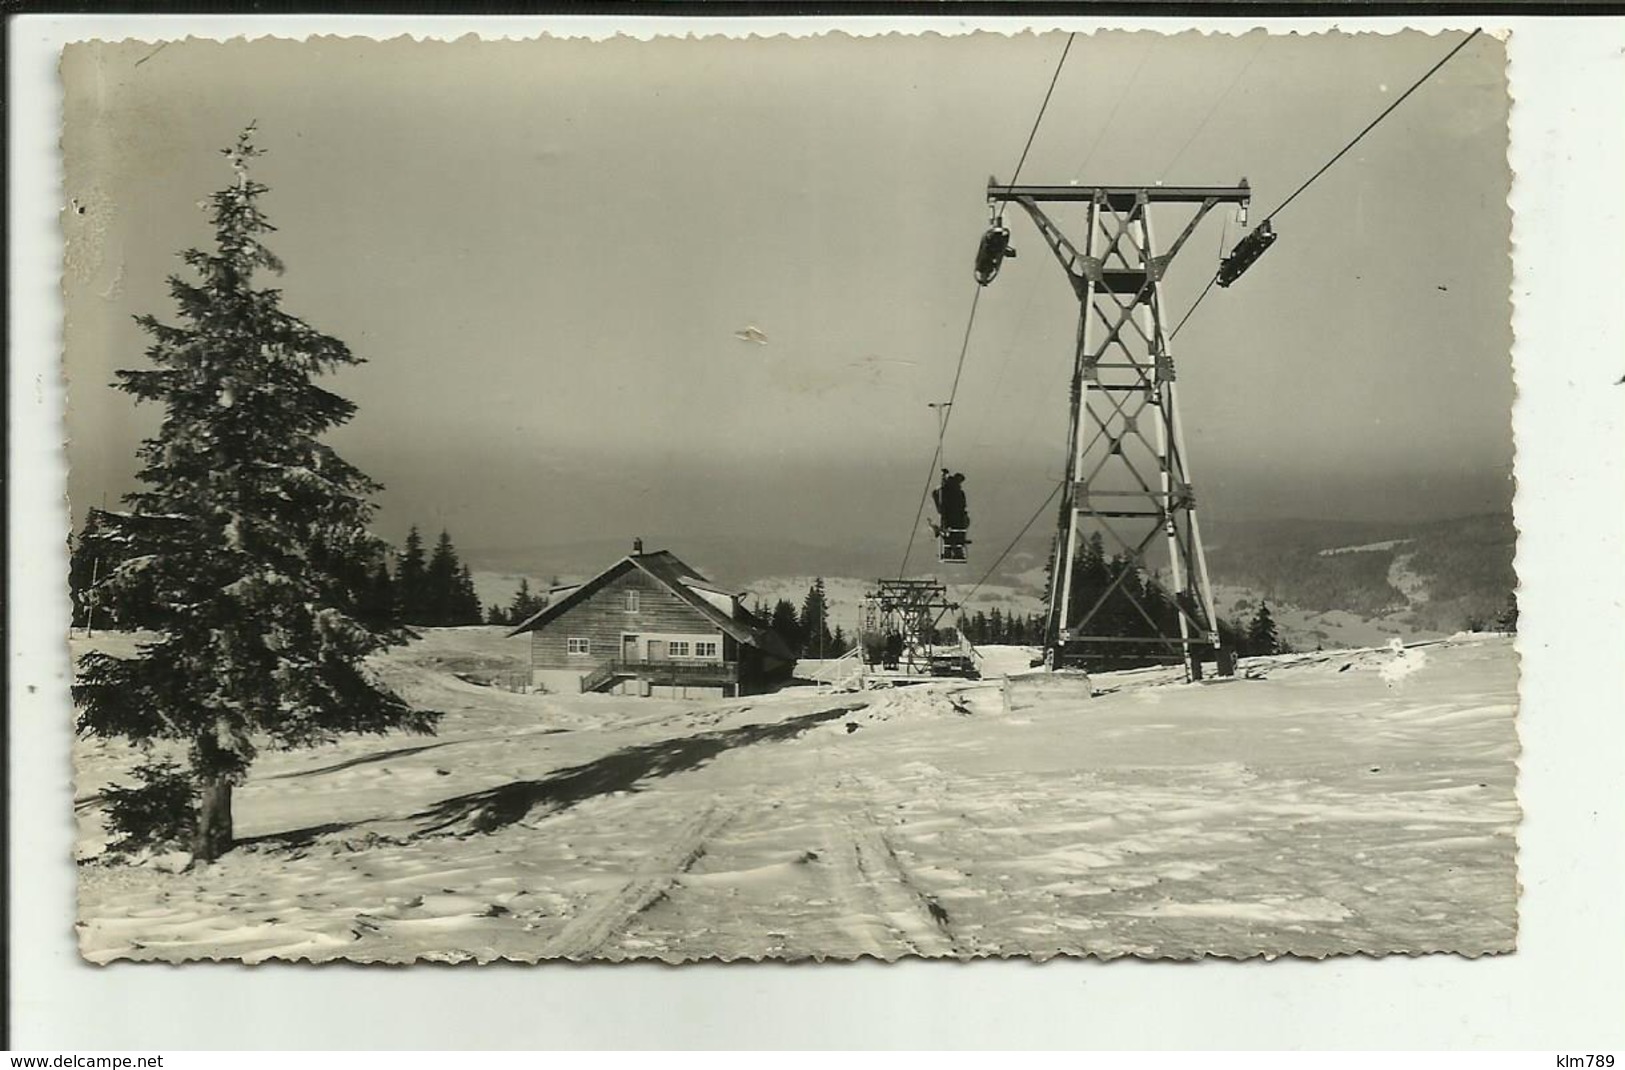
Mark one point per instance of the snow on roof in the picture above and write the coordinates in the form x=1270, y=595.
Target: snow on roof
x=667, y=569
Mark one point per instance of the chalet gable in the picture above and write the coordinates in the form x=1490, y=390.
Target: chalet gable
x=719, y=607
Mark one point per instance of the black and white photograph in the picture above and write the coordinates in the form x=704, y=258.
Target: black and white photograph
x=791, y=497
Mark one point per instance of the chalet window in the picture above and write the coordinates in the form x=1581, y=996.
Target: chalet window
x=578, y=646
x=705, y=650
x=679, y=648
x=631, y=601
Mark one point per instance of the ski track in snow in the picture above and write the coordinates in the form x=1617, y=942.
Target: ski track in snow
x=588, y=931
x=1337, y=802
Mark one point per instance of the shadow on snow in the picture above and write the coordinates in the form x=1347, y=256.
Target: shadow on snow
x=622, y=770
x=366, y=759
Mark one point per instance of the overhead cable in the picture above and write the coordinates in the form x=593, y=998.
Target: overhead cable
x=948, y=409
x=1372, y=125
x=1006, y=552
x=1218, y=100
x=942, y=432
x=1042, y=108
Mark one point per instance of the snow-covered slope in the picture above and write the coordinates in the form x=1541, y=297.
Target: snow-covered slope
x=1358, y=801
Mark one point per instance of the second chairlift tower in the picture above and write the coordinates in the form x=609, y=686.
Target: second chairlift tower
x=1128, y=474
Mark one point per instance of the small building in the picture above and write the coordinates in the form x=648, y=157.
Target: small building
x=651, y=625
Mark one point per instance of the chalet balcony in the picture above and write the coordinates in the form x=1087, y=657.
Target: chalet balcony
x=667, y=673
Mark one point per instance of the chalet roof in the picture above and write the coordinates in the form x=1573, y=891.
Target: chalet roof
x=666, y=569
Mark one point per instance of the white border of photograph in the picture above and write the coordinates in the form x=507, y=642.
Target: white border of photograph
x=1562, y=989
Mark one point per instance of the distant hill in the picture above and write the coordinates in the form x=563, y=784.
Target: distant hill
x=1437, y=577
x=735, y=560
x=1341, y=583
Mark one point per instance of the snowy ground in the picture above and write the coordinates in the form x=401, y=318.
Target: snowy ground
x=1356, y=801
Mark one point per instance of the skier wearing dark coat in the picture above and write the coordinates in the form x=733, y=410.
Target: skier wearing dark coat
x=950, y=502
x=894, y=650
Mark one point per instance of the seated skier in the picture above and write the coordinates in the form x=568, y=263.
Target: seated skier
x=949, y=499
x=894, y=650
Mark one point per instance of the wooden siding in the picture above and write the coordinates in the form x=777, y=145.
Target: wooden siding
x=602, y=618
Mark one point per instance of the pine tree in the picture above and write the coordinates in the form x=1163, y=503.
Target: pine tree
x=108, y=541
x=82, y=566
x=525, y=604
x=521, y=602
x=1090, y=577
x=353, y=565
x=242, y=501
x=440, y=583
x=786, y=624
x=495, y=614
x=379, y=605
x=1262, y=636
x=411, y=581
x=466, y=600
x=87, y=559
x=816, y=639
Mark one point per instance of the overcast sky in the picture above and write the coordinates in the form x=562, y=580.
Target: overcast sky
x=544, y=250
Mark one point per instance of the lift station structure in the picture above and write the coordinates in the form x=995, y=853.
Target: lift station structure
x=1128, y=473
x=898, y=633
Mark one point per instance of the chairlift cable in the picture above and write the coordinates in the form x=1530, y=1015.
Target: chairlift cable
x=1213, y=109
x=1006, y=551
x=1372, y=125
x=1194, y=306
x=1145, y=54
x=942, y=427
x=1056, y=77
x=942, y=432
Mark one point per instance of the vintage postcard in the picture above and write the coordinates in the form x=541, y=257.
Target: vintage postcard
x=792, y=497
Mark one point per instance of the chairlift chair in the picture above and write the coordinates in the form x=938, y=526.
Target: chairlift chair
x=952, y=531
x=990, y=253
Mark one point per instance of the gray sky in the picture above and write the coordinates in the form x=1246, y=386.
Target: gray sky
x=544, y=249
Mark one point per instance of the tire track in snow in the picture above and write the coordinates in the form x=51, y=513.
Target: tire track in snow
x=871, y=882
x=589, y=931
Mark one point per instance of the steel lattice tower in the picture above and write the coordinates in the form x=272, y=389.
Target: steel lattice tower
x=1128, y=474
x=910, y=609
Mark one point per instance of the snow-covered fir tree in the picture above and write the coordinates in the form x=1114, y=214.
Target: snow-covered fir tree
x=241, y=528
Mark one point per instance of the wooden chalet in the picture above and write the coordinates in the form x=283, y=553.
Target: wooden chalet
x=651, y=625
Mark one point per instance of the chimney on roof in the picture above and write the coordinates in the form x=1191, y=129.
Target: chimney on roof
x=637, y=546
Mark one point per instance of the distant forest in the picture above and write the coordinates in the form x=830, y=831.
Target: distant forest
x=1128, y=603
x=385, y=586
x=805, y=631
x=1465, y=565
